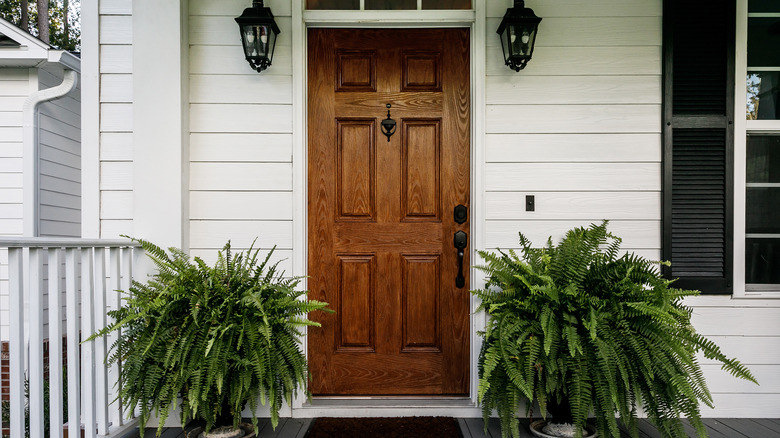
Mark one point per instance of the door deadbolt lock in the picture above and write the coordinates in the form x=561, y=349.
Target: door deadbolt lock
x=460, y=214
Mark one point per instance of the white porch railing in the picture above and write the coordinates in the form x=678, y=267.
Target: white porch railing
x=89, y=273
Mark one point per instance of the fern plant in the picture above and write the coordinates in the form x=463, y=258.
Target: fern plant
x=579, y=323
x=217, y=338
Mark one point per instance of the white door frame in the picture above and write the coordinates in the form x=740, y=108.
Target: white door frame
x=475, y=21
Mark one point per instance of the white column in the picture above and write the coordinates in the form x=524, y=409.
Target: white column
x=161, y=122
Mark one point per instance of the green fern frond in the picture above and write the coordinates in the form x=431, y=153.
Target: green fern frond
x=217, y=337
x=606, y=331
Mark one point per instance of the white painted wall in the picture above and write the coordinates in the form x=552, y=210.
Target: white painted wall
x=579, y=128
x=15, y=86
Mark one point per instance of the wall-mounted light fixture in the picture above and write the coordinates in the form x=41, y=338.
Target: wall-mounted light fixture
x=258, y=35
x=518, y=34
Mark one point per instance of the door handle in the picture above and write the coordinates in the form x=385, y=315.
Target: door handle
x=460, y=241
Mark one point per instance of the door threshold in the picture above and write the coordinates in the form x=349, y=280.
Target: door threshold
x=462, y=407
x=391, y=397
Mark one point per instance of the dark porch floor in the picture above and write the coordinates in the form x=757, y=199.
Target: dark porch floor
x=716, y=428
x=472, y=428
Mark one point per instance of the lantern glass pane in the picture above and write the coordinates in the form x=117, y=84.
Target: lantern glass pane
x=446, y=4
x=390, y=4
x=271, y=44
x=505, y=46
x=521, y=39
x=333, y=4
x=256, y=40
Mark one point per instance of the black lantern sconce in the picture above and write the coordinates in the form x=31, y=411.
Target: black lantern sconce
x=518, y=34
x=258, y=35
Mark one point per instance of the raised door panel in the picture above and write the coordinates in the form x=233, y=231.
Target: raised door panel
x=420, y=186
x=421, y=71
x=356, y=169
x=356, y=303
x=420, y=292
x=356, y=70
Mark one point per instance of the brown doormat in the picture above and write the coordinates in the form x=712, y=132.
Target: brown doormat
x=396, y=427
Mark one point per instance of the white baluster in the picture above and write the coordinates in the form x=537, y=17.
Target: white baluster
x=36, y=343
x=115, y=410
x=55, y=344
x=16, y=343
x=101, y=381
x=72, y=316
x=87, y=348
x=127, y=281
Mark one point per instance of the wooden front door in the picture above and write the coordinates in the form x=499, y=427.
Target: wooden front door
x=380, y=210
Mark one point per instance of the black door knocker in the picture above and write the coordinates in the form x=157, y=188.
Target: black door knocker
x=388, y=125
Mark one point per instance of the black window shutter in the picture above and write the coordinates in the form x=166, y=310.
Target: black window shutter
x=698, y=138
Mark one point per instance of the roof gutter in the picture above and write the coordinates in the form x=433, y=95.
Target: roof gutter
x=30, y=139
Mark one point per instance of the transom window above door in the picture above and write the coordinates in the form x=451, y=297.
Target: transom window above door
x=379, y=5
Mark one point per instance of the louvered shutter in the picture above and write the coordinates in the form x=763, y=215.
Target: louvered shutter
x=698, y=143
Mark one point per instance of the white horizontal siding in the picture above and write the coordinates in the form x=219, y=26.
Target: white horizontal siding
x=116, y=146
x=116, y=117
x=229, y=60
x=574, y=205
x=579, y=148
x=580, y=8
x=585, y=60
x=233, y=8
x=214, y=234
x=557, y=119
x=241, y=176
x=277, y=89
x=15, y=86
x=579, y=128
x=244, y=118
x=750, y=331
x=573, y=176
x=575, y=90
x=116, y=29
x=213, y=147
x=643, y=234
x=59, y=160
x=220, y=205
x=116, y=58
x=116, y=88
x=115, y=7
x=241, y=135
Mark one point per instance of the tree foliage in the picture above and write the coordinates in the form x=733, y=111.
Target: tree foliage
x=218, y=337
x=577, y=322
x=60, y=12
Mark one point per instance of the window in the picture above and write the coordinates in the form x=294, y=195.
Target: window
x=387, y=4
x=762, y=147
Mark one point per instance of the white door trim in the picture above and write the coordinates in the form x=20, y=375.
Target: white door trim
x=475, y=21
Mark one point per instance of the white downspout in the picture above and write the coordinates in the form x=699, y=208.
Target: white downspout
x=30, y=147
